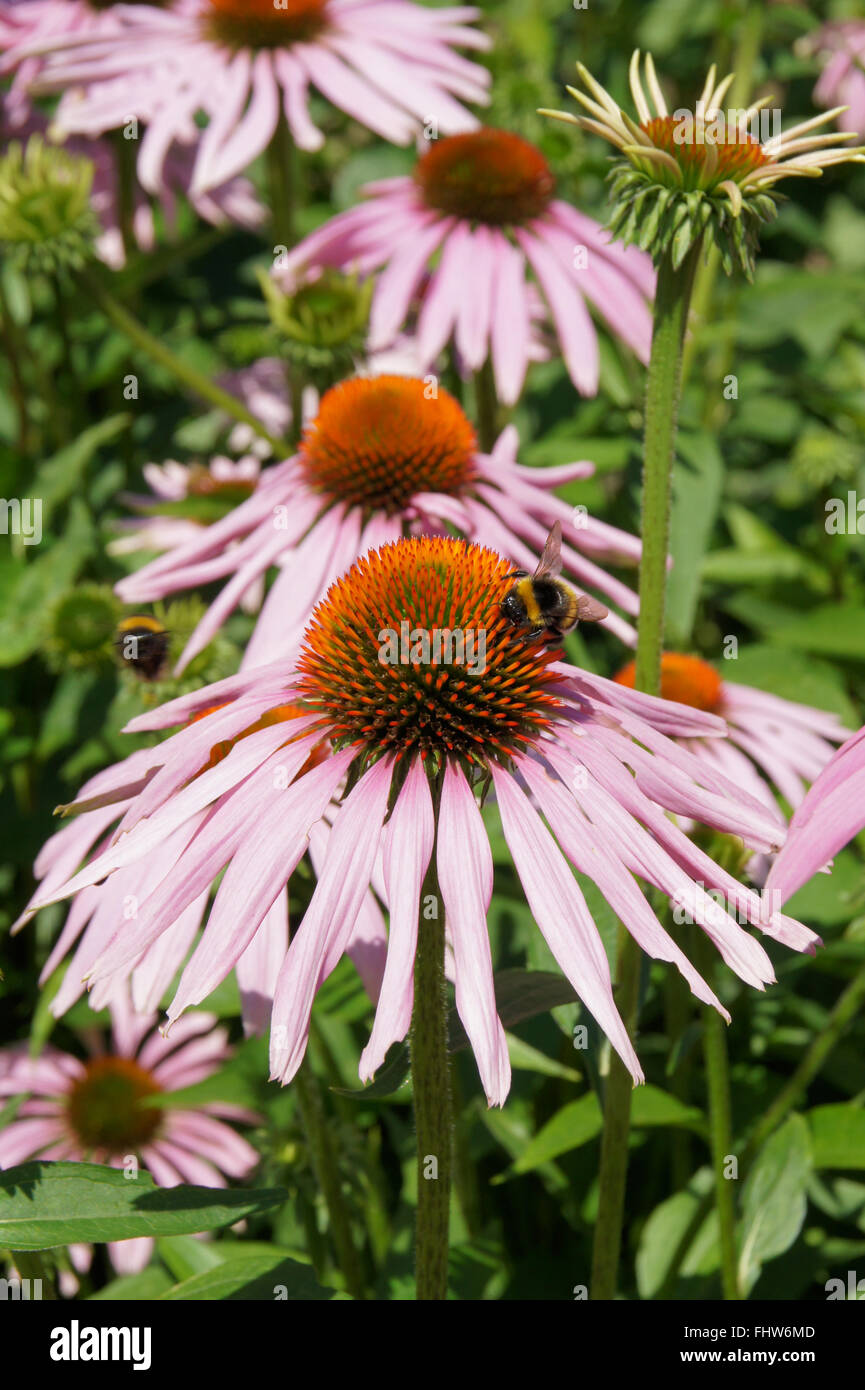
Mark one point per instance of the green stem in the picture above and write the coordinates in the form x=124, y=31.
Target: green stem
x=721, y=1138
x=13, y=347
x=183, y=372
x=280, y=177
x=487, y=404
x=672, y=301
x=124, y=164
x=295, y=395
x=430, y=1071
x=327, y=1174
x=617, y=1121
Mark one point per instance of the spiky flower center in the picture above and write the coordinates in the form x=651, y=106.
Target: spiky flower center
x=378, y=442
x=266, y=23
x=104, y=1106
x=686, y=679
x=707, y=152
x=487, y=176
x=409, y=652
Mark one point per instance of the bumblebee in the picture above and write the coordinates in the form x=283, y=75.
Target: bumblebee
x=142, y=644
x=542, y=603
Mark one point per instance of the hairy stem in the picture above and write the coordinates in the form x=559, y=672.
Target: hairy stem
x=617, y=1122
x=430, y=1069
x=327, y=1174
x=672, y=300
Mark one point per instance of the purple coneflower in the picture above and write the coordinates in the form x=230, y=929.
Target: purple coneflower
x=486, y=201
x=789, y=743
x=392, y=736
x=385, y=454
x=91, y=1111
x=389, y=64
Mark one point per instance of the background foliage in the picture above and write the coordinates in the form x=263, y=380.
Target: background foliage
x=753, y=560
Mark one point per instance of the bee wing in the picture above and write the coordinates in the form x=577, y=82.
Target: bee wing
x=551, y=561
x=589, y=610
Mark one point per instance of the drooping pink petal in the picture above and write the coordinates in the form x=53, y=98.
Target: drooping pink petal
x=408, y=843
x=560, y=911
x=330, y=917
x=465, y=871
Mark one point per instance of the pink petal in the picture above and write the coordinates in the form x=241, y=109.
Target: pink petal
x=465, y=871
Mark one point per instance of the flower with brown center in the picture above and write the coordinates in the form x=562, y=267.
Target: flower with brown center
x=702, y=171
x=488, y=176
x=387, y=456
x=263, y=24
x=425, y=694
x=378, y=443
x=774, y=744
x=451, y=679
x=104, y=1106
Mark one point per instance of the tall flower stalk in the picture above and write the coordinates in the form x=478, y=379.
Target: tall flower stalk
x=678, y=185
x=432, y=1095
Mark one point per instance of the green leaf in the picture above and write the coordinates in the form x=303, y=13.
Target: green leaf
x=664, y=1229
x=837, y=1136
x=574, y=1125
x=652, y=1106
x=581, y=1120
x=136, y=1288
x=186, y=1256
x=524, y=1057
x=832, y=629
x=60, y=476
x=258, y=1277
x=27, y=588
x=774, y=1200
x=44, y=1204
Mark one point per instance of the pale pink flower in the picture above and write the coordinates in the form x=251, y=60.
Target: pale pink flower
x=91, y=1111
x=774, y=745
x=830, y=815
x=463, y=232
x=385, y=455
x=842, y=81
x=599, y=762
x=389, y=64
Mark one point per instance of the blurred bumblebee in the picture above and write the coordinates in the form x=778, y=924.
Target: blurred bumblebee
x=542, y=602
x=142, y=644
